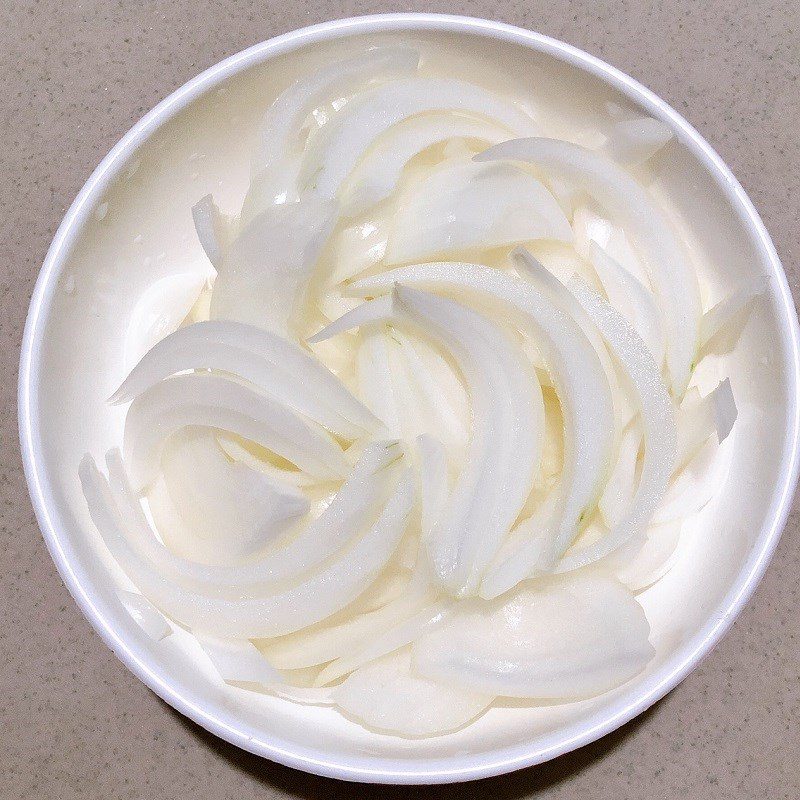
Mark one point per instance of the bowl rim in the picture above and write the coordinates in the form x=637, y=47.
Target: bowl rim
x=384, y=770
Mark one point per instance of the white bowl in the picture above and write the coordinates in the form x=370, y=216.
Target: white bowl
x=130, y=224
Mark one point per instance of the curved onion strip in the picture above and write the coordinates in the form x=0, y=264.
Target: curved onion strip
x=389, y=697
x=262, y=279
x=212, y=401
x=658, y=423
x=305, y=695
x=145, y=614
x=279, y=136
x=231, y=510
x=671, y=275
x=327, y=642
x=572, y=637
x=557, y=293
x=375, y=379
x=699, y=417
x=355, y=506
x=238, y=661
x=213, y=229
x=238, y=452
x=626, y=293
x=631, y=142
x=322, y=595
x=378, y=173
x=505, y=448
x=463, y=205
x=276, y=366
x=335, y=149
x=357, y=248
x=581, y=383
x=721, y=325
x=400, y=635
x=434, y=488
x=648, y=562
x=621, y=485
x=697, y=484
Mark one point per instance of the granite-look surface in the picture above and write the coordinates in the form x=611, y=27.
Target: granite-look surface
x=73, y=721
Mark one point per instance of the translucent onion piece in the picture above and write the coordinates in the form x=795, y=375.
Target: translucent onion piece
x=621, y=487
x=434, y=488
x=146, y=616
x=640, y=567
x=721, y=325
x=305, y=695
x=239, y=662
x=697, y=483
x=632, y=142
x=463, y=206
x=389, y=697
x=231, y=510
x=700, y=417
x=276, y=366
x=393, y=639
x=327, y=642
x=658, y=424
x=335, y=149
x=632, y=299
x=354, y=507
x=505, y=448
x=209, y=400
x=263, y=276
x=379, y=172
x=581, y=382
x=375, y=384
x=279, y=136
x=671, y=274
x=162, y=307
x=213, y=229
x=324, y=593
x=566, y=638
x=236, y=451
x=357, y=248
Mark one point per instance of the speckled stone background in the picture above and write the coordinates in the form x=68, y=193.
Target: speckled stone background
x=75, y=76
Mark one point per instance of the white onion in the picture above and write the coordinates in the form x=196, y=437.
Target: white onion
x=631, y=142
x=670, y=272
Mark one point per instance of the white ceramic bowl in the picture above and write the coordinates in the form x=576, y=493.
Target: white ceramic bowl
x=130, y=224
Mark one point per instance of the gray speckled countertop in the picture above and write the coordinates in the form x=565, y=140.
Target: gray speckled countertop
x=73, y=721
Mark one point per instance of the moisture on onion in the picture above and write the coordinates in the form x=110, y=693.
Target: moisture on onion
x=436, y=423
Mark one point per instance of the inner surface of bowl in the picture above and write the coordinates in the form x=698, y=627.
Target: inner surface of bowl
x=140, y=230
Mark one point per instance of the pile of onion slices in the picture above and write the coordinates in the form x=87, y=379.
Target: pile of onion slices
x=436, y=421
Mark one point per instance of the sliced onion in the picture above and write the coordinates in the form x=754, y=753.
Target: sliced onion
x=311, y=601
x=632, y=142
x=566, y=638
x=635, y=301
x=621, y=487
x=672, y=276
x=327, y=642
x=388, y=697
x=640, y=567
x=263, y=276
x=658, y=423
x=277, y=366
x=462, y=206
x=335, y=149
x=237, y=451
x=375, y=379
x=238, y=662
x=700, y=417
x=400, y=635
x=505, y=448
x=378, y=173
x=357, y=248
x=160, y=310
x=434, y=488
x=721, y=325
x=213, y=229
x=581, y=382
x=279, y=136
x=232, y=511
x=354, y=507
x=146, y=616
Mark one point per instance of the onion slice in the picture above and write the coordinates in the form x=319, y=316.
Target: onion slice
x=671, y=274
x=213, y=401
x=567, y=638
x=276, y=366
